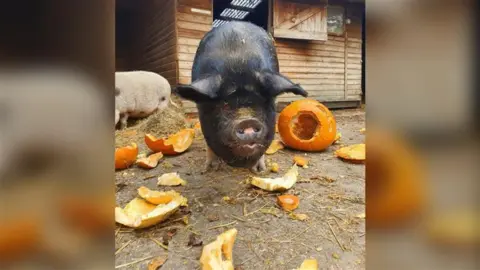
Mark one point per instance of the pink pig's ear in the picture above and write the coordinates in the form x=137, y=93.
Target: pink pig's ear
x=275, y=84
x=201, y=90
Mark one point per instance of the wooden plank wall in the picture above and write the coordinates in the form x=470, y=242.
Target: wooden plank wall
x=330, y=70
x=299, y=20
x=191, y=27
x=318, y=66
x=354, y=53
x=155, y=46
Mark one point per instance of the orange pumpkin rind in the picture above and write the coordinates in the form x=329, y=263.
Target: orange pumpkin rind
x=279, y=183
x=352, y=153
x=274, y=147
x=18, y=238
x=139, y=213
x=338, y=136
x=197, y=125
x=149, y=162
x=174, y=144
x=288, y=202
x=395, y=181
x=307, y=125
x=211, y=258
x=171, y=179
x=310, y=264
x=125, y=156
x=301, y=161
x=159, y=197
x=90, y=215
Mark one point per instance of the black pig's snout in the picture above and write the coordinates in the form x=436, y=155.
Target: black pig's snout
x=248, y=130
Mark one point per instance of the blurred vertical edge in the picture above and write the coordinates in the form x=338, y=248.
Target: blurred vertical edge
x=476, y=68
x=422, y=134
x=59, y=52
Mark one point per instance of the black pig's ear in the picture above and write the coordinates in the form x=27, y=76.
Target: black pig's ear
x=200, y=90
x=276, y=84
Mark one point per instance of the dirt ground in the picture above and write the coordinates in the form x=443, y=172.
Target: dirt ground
x=331, y=193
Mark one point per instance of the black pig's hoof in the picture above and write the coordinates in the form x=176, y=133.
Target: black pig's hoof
x=260, y=166
x=212, y=165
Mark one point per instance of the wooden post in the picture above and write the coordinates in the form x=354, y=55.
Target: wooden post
x=346, y=53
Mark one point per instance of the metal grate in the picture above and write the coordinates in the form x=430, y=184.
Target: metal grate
x=246, y=3
x=234, y=13
x=218, y=22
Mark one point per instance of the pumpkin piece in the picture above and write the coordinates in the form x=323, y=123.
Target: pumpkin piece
x=157, y=262
x=274, y=168
x=87, y=214
x=149, y=162
x=211, y=258
x=279, y=183
x=310, y=264
x=125, y=156
x=301, y=161
x=174, y=144
x=171, y=179
x=353, y=153
x=295, y=216
x=274, y=147
x=395, y=181
x=139, y=213
x=141, y=155
x=307, y=125
x=288, y=202
x=337, y=137
x=158, y=197
x=456, y=229
x=19, y=237
x=197, y=125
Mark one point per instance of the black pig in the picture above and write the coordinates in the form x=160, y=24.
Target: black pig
x=235, y=80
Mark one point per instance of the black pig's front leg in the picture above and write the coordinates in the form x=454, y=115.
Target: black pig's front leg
x=212, y=161
x=259, y=166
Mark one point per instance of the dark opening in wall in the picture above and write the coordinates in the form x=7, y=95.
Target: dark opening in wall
x=124, y=19
x=254, y=11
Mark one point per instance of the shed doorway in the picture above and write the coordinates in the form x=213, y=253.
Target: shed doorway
x=254, y=11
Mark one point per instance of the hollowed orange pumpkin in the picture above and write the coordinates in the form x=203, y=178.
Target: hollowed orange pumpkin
x=125, y=156
x=307, y=125
x=175, y=144
x=394, y=181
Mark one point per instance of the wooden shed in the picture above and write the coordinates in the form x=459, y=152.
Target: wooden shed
x=319, y=43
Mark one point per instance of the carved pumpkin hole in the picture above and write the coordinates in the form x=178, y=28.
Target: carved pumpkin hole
x=305, y=125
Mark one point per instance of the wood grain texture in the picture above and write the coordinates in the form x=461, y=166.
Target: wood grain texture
x=155, y=38
x=191, y=27
x=299, y=21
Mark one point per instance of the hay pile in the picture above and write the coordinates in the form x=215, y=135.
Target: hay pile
x=161, y=124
